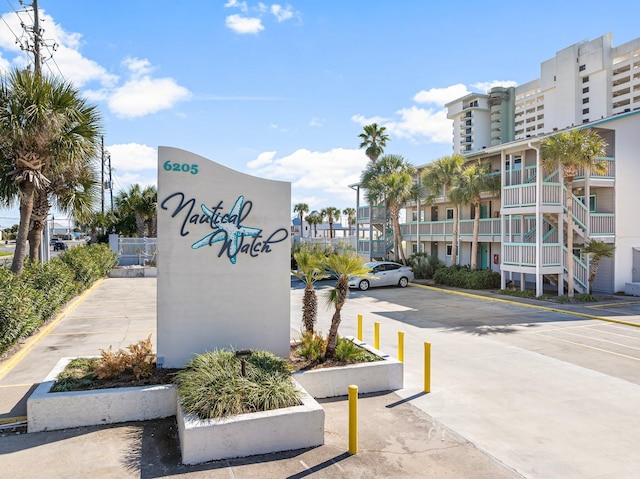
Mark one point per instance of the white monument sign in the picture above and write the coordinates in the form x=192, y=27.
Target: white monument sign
x=223, y=259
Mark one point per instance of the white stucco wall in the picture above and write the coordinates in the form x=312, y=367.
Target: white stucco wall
x=222, y=283
x=627, y=158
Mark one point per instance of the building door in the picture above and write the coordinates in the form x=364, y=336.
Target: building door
x=635, y=272
x=434, y=213
x=483, y=256
x=434, y=249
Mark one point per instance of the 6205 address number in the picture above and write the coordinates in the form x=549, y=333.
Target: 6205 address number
x=180, y=167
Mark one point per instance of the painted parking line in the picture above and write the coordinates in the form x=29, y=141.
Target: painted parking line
x=14, y=360
x=589, y=347
x=527, y=305
x=593, y=338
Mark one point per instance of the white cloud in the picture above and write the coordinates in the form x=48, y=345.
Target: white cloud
x=244, y=25
x=317, y=122
x=130, y=157
x=320, y=178
x=68, y=59
x=363, y=120
x=142, y=95
x=235, y=3
x=415, y=122
x=264, y=158
x=441, y=96
x=427, y=124
x=484, y=87
x=282, y=14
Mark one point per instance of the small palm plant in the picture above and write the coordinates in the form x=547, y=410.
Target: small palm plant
x=344, y=265
x=599, y=250
x=310, y=269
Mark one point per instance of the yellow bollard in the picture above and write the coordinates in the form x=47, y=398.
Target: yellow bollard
x=359, y=327
x=353, y=419
x=427, y=367
x=401, y=346
x=376, y=335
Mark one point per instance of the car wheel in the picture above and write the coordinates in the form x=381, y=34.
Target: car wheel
x=403, y=282
x=363, y=285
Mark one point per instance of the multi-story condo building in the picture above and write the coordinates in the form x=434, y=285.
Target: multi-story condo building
x=587, y=85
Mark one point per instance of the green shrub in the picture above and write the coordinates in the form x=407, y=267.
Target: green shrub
x=18, y=315
x=586, y=298
x=26, y=302
x=212, y=386
x=517, y=293
x=348, y=351
x=312, y=346
x=463, y=277
x=89, y=263
x=424, y=266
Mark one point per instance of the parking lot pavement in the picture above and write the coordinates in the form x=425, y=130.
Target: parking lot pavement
x=514, y=379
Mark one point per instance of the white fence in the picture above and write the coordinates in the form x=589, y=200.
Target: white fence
x=134, y=251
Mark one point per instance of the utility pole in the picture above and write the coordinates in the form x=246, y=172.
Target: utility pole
x=37, y=38
x=110, y=181
x=102, y=177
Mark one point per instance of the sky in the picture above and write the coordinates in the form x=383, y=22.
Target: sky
x=282, y=90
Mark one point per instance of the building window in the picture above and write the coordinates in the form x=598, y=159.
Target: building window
x=592, y=202
x=467, y=148
x=467, y=123
x=449, y=249
x=586, y=120
x=585, y=100
x=585, y=89
x=585, y=111
x=468, y=131
x=585, y=79
x=449, y=212
x=415, y=215
x=582, y=68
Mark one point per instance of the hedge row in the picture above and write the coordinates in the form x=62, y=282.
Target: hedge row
x=464, y=277
x=26, y=302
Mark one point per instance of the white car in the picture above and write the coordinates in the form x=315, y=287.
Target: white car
x=383, y=273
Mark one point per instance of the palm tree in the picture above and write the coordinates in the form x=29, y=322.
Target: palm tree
x=441, y=176
x=390, y=180
x=301, y=209
x=142, y=205
x=310, y=270
x=314, y=219
x=344, y=265
x=73, y=190
x=43, y=120
x=374, y=139
x=473, y=180
x=332, y=213
x=572, y=151
x=599, y=250
x=351, y=217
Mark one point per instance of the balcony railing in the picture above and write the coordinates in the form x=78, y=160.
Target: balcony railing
x=603, y=224
x=610, y=170
x=524, y=254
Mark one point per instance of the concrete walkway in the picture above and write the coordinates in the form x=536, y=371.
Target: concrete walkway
x=397, y=440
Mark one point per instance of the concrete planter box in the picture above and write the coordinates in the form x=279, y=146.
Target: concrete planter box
x=134, y=272
x=49, y=411
x=385, y=375
x=265, y=432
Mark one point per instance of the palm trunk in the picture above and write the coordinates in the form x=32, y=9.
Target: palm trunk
x=26, y=207
x=139, y=225
x=309, y=309
x=568, y=195
x=454, y=245
x=332, y=339
x=38, y=222
x=476, y=230
x=592, y=272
